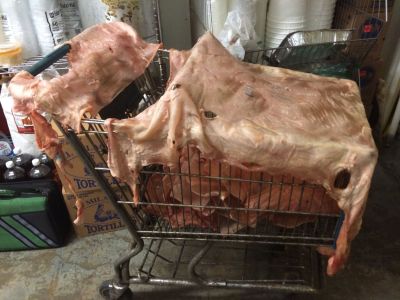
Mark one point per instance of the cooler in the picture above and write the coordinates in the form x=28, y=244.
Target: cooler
x=32, y=215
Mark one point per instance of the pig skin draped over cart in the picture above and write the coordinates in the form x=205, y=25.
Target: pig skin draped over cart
x=104, y=60
x=257, y=118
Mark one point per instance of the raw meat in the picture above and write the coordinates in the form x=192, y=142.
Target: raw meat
x=104, y=59
x=185, y=217
x=283, y=194
x=257, y=118
x=248, y=203
x=159, y=192
x=176, y=61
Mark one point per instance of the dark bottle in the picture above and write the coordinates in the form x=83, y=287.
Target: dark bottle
x=13, y=172
x=22, y=160
x=44, y=159
x=3, y=160
x=39, y=170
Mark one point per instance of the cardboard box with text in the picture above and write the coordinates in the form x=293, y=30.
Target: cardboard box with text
x=77, y=174
x=99, y=215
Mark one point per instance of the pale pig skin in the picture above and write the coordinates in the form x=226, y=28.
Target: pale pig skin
x=256, y=118
x=104, y=59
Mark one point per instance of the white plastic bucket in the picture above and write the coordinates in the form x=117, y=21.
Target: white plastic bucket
x=218, y=13
x=277, y=36
x=320, y=14
x=284, y=29
x=284, y=17
x=273, y=20
x=287, y=10
x=275, y=28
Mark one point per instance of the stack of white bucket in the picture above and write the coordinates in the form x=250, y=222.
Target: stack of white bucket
x=286, y=16
x=320, y=14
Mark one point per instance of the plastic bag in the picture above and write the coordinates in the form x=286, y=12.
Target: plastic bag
x=71, y=17
x=48, y=23
x=247, y=7
x=92, y=12
x=238, y=34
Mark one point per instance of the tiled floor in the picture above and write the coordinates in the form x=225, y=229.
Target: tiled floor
x=75, y=271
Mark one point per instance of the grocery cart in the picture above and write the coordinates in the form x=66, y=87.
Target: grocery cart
x=338, y=52
x=227, y=249
x=342, y=52
x=218, y=253
x=221, y=253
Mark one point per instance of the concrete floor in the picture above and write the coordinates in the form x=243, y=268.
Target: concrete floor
x=75, y=271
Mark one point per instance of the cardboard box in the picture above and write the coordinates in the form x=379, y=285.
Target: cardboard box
x=78, y=175
x=99, y=216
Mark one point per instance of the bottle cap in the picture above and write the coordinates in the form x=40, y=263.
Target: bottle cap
x=10, y=164
x=17, y=151
x=35, y=162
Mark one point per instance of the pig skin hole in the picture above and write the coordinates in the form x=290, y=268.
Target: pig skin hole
x=210, y=115
x=342, y=179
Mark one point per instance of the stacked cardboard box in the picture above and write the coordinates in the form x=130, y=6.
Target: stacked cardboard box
x=99, y=215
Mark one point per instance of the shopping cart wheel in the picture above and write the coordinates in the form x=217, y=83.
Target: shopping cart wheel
x=109, y=290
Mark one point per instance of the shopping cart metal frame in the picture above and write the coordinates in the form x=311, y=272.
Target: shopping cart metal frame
x=159, y=234
x=366, y=19
x=141, y=225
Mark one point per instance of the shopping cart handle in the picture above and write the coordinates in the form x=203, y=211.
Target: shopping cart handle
x=48, y=60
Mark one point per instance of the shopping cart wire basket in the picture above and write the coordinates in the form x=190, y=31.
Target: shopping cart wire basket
x=210, y=238
x=185, y=242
